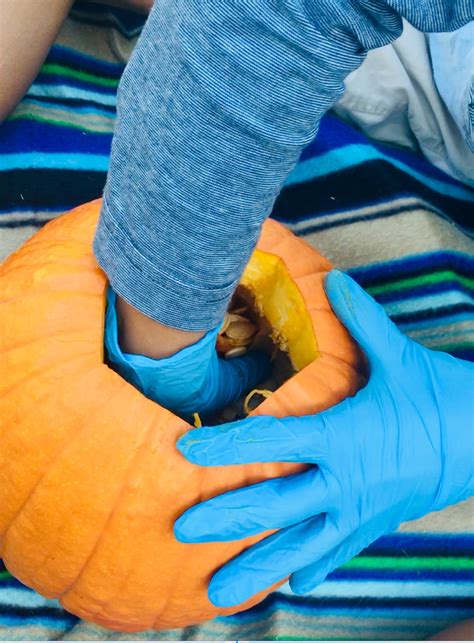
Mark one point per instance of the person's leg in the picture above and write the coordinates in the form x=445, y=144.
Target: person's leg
x=27, y=31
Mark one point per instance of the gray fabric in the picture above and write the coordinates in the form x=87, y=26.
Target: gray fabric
x=394, y=97
x=452, y=57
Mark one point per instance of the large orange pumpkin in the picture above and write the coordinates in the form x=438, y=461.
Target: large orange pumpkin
x=90, y=479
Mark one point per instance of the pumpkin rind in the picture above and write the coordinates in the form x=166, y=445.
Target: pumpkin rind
x=91, y=481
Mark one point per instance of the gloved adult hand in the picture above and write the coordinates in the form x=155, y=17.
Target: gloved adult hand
x=402, y=447
x=194, y=380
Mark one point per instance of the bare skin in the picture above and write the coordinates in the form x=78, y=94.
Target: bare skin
x=140, y=335
x=28, y=28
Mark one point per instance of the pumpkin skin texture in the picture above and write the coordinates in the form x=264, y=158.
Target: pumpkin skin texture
x=91, y=481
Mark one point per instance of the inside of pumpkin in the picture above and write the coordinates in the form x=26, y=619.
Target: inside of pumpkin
x=245, y=329
x=267, y=313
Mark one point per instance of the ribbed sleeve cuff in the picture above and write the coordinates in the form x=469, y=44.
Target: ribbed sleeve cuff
x=148, y=288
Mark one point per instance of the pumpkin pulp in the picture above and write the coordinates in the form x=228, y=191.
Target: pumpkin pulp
x=278, y=300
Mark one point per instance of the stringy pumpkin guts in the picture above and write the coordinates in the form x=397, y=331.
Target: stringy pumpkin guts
x=255, y=393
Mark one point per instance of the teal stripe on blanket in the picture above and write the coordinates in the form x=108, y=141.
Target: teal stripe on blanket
x=23, y=597
x=65, y=91
x=57, y=622
x=389, y=589
x=351, y=155
x=428, y=302
x=54, y=161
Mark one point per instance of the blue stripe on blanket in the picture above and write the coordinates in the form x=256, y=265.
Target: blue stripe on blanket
x=29, y=136
x=70, y=57
x=421, y=608
x=335, y=134
x=351, y=155
x=465, y=577
x=58, y=161
x=415, y=544
x=412, y=266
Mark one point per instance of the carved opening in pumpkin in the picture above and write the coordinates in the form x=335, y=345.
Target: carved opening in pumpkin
x=266, y=313
x=269, y=301
x=245, y=329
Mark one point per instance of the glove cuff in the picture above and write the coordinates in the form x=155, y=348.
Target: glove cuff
x=168, y=381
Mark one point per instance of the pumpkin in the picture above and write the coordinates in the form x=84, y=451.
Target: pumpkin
x=90, y=479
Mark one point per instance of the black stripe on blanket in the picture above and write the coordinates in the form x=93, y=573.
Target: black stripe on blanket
x=55, y=612
x=39, y=189
x=330, y=193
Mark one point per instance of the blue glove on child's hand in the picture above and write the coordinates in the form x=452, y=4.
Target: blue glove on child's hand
x=402, y=447
x=194, y=380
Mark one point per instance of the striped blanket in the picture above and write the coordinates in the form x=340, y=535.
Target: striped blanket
x=398, y=225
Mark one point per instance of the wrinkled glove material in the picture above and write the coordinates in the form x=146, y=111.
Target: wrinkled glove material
x=401, y=447
x=194, y=380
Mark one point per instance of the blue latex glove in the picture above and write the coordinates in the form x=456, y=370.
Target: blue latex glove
x=402, y=447
x=194, y=380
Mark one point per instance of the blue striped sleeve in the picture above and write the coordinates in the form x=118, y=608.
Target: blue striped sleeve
x=214, y=109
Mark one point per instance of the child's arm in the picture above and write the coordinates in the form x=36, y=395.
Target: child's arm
x=28, y=28
x=214, y=108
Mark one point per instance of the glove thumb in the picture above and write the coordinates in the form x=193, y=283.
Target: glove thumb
x=364, y=318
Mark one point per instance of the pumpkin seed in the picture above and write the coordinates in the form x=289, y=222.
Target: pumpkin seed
x=240, y=310
x=233, y=317
x=225, y=324
x=235, y=352
x=229, y=319
x=241, y=330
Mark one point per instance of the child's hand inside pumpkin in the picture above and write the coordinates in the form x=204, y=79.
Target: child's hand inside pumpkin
x=181, y=371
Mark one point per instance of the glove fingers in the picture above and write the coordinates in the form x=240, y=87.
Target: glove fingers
x=257, y=439
x=364, y=318
x=308, y=578
x=273, y=504
x=272, y=560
